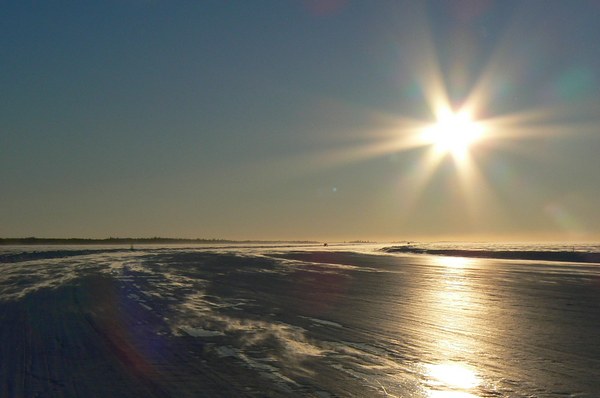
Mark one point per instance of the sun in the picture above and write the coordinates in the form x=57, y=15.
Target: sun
x=453, y=133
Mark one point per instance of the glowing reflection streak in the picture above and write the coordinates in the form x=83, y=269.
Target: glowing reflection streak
x=452, y=262
x=451, y=306
x=453, y=375
x=450, y=394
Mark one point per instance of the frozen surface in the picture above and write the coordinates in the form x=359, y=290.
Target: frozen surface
x=345, y=320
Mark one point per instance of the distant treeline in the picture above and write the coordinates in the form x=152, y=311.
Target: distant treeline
x=543, y=255
x=127, y=241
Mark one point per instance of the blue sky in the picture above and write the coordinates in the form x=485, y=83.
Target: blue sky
x=254, y=119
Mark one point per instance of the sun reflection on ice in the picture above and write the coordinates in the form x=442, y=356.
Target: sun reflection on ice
x=451, y=394
x=451, y=380
x=453, y=309
x=453, y=375
x=453, y=262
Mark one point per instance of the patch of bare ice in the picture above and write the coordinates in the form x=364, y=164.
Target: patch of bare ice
x=199, y=332
x=323, y=322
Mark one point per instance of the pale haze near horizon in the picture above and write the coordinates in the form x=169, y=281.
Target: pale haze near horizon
x=257, y=120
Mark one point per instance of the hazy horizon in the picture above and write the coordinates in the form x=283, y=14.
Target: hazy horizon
x=422, y=239
x=301, y=120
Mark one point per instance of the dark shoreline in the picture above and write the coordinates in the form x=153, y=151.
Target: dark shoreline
x=540, y=255
x=134, y=241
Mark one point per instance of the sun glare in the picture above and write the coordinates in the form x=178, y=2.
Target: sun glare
x=453, y=133
x=453, y=375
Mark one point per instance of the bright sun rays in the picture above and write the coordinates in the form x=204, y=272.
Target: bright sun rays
x=453, y=133
x=460, y=136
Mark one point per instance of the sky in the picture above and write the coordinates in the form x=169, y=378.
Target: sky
x=291, y=119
